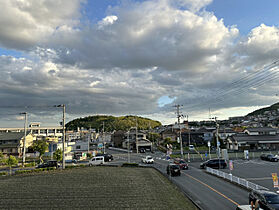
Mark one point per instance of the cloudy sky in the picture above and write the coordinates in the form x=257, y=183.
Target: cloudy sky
x=137, y=57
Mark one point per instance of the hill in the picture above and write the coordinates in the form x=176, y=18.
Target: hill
x=262, y=110
x=112, y=123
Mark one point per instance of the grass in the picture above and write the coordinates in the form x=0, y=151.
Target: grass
x=92, y=187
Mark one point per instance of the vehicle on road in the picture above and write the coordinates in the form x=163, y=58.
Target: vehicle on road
x=214, y=163
x=269, y=157
x=173, y=170
x=147, y=159
x=245, y=207
x=50, y=163
x=266, y=199
x=182, y=164
x=98, y=160
x=108, y=157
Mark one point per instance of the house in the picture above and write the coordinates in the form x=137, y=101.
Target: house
x=252, y=142
x=260, y=131
x=11, y=143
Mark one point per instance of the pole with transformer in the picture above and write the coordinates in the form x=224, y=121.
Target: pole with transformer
x=178, y=121
x=24, y=141
x=64, y=133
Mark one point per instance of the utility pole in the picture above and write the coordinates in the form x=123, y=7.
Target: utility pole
x=178, y=121
x=128, y=146
x=103, y=137
x=24, y=141
x=217, y=139
x=188, y=139
x=137, y=143
x=64, y=133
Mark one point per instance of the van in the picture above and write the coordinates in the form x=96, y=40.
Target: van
x=99, y=160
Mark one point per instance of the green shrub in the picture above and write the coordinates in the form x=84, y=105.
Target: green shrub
x=4, y=173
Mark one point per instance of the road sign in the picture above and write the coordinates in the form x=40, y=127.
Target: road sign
x=218, y=143
x=231, y=165
x=100, y=145
x=208, y=144
x=275, y=179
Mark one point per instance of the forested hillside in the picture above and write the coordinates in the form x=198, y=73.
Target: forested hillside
x=112, y=123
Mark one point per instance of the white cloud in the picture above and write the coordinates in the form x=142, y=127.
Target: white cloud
x=25, y=23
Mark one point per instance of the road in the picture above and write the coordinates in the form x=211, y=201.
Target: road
x=208, y=191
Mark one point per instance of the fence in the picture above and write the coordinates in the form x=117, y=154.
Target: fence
x=244, y=183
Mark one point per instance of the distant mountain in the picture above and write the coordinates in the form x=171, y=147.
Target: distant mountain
x=112, y=123
x=262, y=110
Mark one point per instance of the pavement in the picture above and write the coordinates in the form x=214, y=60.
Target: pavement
x=207, y=191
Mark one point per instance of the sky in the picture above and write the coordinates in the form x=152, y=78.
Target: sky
x=136, y=57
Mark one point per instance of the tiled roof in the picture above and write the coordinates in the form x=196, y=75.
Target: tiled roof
x=254, y=138
x=12, y=136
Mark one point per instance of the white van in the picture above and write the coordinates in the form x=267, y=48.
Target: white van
x=99, y=160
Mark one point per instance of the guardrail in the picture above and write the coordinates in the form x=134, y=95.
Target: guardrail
x=242, y=182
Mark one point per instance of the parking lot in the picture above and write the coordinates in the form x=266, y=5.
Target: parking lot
x=256, y=171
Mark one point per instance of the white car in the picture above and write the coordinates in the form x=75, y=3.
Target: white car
x=99, y=160
x=148, y=159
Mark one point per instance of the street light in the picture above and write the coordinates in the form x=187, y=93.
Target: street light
x=24, y=141
x=63, y=142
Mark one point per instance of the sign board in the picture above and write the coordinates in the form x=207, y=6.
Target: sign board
x=100, y=145
x=178, y=140
x=208, y=144
x=275, y=179
x=246, y=154
x=218, y=143
x=231, y=165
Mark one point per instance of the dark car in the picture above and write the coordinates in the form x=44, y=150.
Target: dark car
x=269, y=157
x=214, y=163
x=266, y=199
x=173, y=170
x=182, y=163
x=107, y=157
x=50, y=163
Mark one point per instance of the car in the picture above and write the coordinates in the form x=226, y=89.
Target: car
x=108, y=157
x=147, y=159
x=98, y=160
x=182, y=164
x=142, y=150
x=269, y=157
x=214, y=163
x=50, y=163
x=173, y=170
x=266, y=199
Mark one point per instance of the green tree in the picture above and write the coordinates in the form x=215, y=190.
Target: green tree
x=11, y=161
x=41, y=147
x=154, y=137
x=58, y=155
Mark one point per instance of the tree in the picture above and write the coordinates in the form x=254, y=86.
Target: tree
x=58, y=155
x=41, y=147
x=154, y=137
x=11, y=161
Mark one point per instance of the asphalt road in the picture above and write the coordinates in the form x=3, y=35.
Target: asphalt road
x=208, y=191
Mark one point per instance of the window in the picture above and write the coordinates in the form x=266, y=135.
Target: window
x=78, y=147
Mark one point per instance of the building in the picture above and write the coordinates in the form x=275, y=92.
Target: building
x=11, y=143
x=37, y=130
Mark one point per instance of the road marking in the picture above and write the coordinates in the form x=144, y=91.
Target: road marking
x=224, y=196
x=211, y=188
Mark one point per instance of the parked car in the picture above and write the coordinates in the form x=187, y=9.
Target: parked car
x=269, y=157
x=182, y=164
x=98, y=160
x=173, y=170
x=142, y=150
x=147, y=159
x=108, y=157
x=266, y=199
x=50, y=163
x=214, y=163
